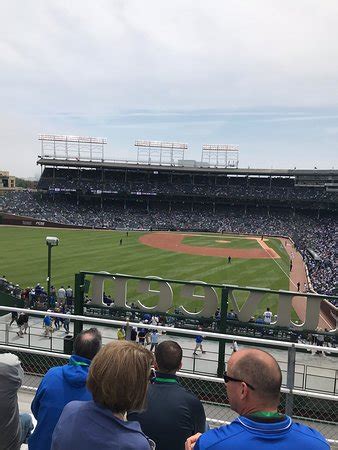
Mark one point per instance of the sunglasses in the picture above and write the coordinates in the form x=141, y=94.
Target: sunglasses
x=227, y=378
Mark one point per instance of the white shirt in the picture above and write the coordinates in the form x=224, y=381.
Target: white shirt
x=234, y=346
x=154, y=320
x=61, y=293
x=267, y=316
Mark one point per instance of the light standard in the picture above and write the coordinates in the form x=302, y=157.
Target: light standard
x=51, y=242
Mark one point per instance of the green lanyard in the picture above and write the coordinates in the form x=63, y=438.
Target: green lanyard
x=165, y=380
x=78, y=363
x=267, y=414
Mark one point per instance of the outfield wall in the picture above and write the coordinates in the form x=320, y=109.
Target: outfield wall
x=9, y=300
x=11, y=219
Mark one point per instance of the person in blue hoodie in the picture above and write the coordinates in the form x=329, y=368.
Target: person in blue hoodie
x=62, y=385
x=253, y=380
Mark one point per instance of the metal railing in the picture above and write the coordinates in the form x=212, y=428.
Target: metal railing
x=188, y=332
x=306, y=375
x=314, y=409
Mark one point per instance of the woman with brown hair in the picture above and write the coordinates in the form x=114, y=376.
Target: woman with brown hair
x=118, y=380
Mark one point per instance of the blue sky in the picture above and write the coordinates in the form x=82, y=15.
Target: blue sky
x=261, y=74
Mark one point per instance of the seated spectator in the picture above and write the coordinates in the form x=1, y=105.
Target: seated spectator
x=60, y=386
x=15, y=428
x=118, y=380
x=231, y=315
x=172, y=414
x=253, y=381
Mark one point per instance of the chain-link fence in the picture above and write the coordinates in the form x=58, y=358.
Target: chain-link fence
x=318, y=410
x=309, y=392
x=314, y=409
x=33, y=337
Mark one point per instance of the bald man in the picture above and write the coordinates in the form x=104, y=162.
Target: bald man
x=253, y=381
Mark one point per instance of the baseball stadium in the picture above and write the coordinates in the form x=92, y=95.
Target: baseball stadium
x=178, y=248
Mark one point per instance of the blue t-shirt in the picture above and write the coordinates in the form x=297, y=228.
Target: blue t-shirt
x=47, y=321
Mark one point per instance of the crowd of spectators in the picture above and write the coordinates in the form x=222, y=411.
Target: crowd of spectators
x=228, y=188
x=309, y=233
x=121, y=396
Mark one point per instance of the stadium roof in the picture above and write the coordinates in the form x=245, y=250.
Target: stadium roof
x=180, y=168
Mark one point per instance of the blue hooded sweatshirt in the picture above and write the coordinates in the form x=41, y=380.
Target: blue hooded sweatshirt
x=59, y=386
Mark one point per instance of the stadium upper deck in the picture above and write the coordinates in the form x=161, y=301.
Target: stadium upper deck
x=149, y=183
x=321, y=177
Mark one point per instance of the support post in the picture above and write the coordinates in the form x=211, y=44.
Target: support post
x=78, y=302
x=49, y=270
x=290, y=382
x=223, y=327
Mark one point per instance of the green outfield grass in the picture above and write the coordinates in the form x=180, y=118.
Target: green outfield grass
x=24, y=261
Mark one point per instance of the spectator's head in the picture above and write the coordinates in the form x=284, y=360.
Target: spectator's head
x=87, y=343
x=255, y=381
x=119, y=376
x=168, y=356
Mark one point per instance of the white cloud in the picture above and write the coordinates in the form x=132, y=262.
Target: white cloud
x=18, y=145
x=109, y=59
x=173, y=54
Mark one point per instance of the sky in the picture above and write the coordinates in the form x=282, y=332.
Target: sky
x=260, y=74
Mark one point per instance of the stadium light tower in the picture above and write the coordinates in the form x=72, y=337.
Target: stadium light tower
x=160, y=152
x=76, y=148
x=224, y=155
x=51, y=241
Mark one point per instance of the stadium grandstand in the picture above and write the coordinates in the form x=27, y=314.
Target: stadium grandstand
x=90, y=192
x=85, y=190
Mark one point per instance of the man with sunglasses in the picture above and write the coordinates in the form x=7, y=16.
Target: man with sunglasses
x=253, y=380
